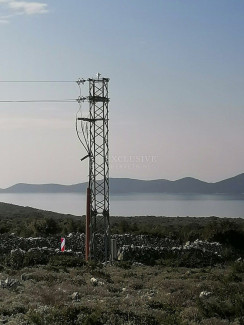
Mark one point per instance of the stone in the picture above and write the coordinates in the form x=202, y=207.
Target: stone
x=9, y=283
x=204, y=294
x=25, y=277
x=94, y=281
x=2, y=284
x=75, y=296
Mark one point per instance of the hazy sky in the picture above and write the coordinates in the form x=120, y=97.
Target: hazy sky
x=176, y=86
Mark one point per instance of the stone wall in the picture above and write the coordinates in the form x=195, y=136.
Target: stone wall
x=137, y=248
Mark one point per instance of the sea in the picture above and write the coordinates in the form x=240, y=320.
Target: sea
x=197, y=205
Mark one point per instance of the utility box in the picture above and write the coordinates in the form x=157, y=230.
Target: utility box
x=114, y=253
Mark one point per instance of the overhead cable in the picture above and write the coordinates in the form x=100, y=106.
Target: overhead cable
x=79, y=81
x=34, y=81
x=40, y=101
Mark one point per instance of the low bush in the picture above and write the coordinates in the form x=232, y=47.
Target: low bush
x=238, y=267
x=60, y=315
x=225, y=309
x=34, y=258
x=66, y=261
x=126, y=265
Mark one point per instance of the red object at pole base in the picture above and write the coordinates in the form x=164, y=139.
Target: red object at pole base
x=62, y=244
x=88, y=218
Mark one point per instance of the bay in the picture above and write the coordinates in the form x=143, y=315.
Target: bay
x=136, y=204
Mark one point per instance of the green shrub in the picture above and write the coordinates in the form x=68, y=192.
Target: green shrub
x=102, y=275
x=13, y=310
x=15, y=259
x=238, y=267
x=126, y=265
x=92, y=319
x=94, y=265
x=35, y=257
x=61, y=315
x=66, y=261
x=231, y=237
x=230, y=307
x=155, y=304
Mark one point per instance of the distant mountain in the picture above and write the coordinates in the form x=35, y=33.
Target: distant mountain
x=44, y=188
x=234, y=185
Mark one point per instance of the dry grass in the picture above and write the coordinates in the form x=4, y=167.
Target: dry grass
x=139, y=295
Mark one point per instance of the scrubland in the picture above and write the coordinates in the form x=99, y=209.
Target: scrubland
x=63, y=289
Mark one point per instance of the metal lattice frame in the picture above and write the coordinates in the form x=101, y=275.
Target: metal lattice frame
x=99, y=168
x=93, y=135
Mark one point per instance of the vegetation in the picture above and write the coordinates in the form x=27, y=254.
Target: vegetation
x=57, y=289
x=29, y=222
x=135, y=295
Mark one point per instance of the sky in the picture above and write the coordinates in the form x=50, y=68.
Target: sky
x=176, y=87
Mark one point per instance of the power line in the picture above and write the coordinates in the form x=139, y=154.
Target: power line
x=36, y=81
x=40, y=101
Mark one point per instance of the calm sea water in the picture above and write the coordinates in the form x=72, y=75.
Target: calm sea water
x=137, y=204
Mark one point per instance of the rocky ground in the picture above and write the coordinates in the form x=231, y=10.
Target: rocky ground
x=186, y=283
x=170, y=271
x=122, y=294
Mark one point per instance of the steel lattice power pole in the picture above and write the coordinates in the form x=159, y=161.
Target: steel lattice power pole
x=99, y=169
x=97, y=216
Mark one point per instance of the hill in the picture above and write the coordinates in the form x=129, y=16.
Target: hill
x=234, y=185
